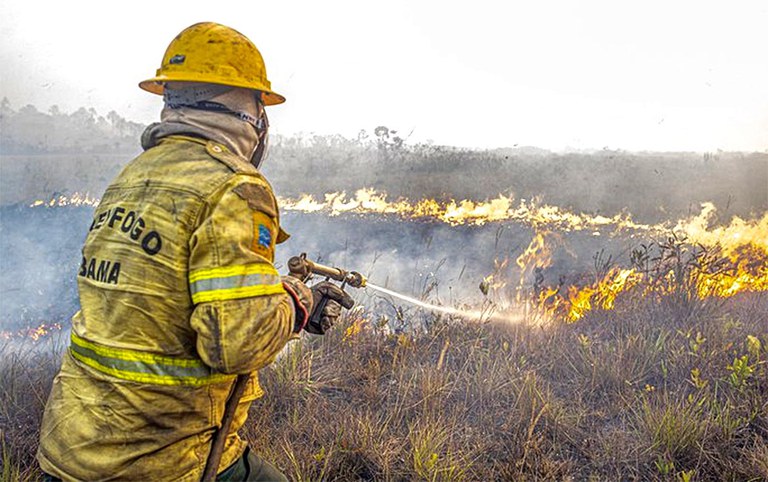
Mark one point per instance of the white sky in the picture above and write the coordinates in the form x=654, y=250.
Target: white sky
x=650, y=75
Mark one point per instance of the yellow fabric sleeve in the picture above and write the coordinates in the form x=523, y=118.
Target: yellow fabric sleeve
x=243, y=317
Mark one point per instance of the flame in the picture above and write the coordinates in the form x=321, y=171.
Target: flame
x=731, y=237
x=33, y=333
x=536, y=257
x=354, y=329
x=453, y=212
x=495, y=281
x=76, y=199
x=601, y=294
x=744, y=269
x=705, y=260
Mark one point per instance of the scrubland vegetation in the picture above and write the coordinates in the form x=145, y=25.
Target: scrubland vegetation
x=652, y=390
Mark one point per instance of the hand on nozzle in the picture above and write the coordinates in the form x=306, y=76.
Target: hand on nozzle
x=336, y=298
x=303, y=301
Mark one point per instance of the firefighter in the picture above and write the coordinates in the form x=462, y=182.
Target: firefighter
x=178, y=291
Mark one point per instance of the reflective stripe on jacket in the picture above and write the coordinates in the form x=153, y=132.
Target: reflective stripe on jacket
x=178, y=293
x=142, y=367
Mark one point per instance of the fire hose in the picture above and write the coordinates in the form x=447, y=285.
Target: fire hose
x=302, y=269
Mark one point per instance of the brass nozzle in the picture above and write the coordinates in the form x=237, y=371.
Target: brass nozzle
x=355, y=279
x=301, y=268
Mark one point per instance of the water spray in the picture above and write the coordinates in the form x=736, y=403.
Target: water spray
x=302, y=268
x=429, y=306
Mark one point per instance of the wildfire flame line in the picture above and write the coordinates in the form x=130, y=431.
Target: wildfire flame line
x=741, y=245
x=696, y=229
x=370, y=201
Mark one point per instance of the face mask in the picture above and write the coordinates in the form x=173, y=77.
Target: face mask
x=262, y=148
x=197, y=97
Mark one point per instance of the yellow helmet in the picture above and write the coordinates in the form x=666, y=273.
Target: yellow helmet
x=215, y=54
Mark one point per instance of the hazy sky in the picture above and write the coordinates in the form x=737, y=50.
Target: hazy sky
x=654, y=75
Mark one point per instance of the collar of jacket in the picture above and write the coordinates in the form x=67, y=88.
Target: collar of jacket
x=220, y=153
x=238, y=136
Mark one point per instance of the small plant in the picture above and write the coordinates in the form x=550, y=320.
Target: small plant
x=695, y=343
x=320, y=455
x=686, y=475
x=740, y=370
x=754, y=347
x=664, y=466
x=431, y=461
x=696, y=379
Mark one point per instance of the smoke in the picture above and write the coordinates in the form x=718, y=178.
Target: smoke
x=437, y=262
x=41, y=252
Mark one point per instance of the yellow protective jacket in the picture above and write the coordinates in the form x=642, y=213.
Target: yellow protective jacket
x=178, y=293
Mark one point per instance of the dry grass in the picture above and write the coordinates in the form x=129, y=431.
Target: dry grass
x=26, y=373
x=645, y=392
x=649, y=391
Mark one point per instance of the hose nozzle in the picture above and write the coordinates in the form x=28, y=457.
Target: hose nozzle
x=302, y=268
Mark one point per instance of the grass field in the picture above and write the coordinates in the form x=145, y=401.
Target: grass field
x=655, y=389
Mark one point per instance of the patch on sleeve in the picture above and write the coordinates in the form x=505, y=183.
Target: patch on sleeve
x=264, y=235
x=258, y=197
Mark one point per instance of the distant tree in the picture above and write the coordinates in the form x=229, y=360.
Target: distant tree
x=5, y=106
x=362, y=137
x=29, y=109
x=389, y=144
x=32, y=131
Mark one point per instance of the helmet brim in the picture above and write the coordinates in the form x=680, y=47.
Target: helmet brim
x=156, y=85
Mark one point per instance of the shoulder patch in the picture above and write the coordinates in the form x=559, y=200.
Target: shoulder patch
x=264, y=235
x=259, y=198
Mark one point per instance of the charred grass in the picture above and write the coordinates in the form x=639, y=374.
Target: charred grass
x=652, y=390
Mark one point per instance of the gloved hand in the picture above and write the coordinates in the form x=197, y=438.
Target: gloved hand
x=303, y=301
x=335, y=298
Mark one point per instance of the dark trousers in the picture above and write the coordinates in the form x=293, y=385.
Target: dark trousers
x=251, y=468
x=248, y=468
